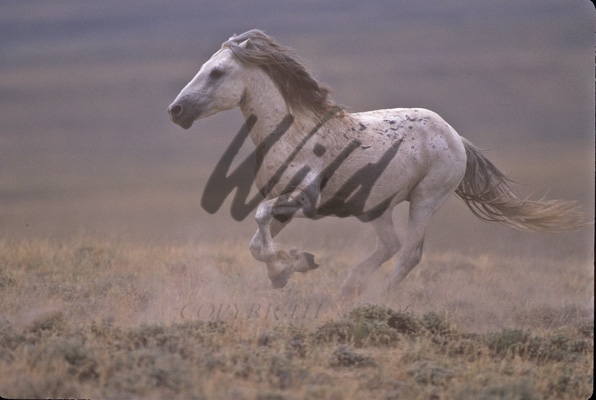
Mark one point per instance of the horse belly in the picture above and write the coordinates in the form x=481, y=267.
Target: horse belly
x=396, y=150
x=363, y=184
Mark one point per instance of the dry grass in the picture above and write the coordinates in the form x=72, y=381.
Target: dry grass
x=170, y=310
x=110, y=319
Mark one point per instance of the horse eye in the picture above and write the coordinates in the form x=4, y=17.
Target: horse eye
x=216, y=73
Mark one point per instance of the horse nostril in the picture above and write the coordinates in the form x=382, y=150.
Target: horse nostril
x=176, y=110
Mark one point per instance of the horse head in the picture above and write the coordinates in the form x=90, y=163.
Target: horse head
x=218, y=86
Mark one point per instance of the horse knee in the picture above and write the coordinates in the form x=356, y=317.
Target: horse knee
x=256, y=249
x=263, y=214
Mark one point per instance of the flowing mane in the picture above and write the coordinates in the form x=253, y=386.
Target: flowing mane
x=299, y=89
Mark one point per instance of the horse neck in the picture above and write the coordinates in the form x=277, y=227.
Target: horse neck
x=263, y=99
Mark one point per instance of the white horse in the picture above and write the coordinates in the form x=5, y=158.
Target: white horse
x=314, y=160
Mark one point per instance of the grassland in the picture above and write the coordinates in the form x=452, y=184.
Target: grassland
x=111, y=319
x=114, y=283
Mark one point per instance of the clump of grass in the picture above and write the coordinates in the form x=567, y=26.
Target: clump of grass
x=550, y=317
x=435, y=324
x=516, y=342
x=566, y=382
x=406, y=323
x=10, y=340
x=270, y=396
x=80, y=360
x=469, y=346
x=507, y=342
x=378, y=326
x=51, y=321
x=510, y=390
x=358, y=333
x=336, y=332
x=344, y=356
x=402, y=322
x=264, y=364
x=159, y=358
x=427, y=372
x=267, y=338
x=296, y=348
x=94, y=256
x=6, y=278
x=586, y=328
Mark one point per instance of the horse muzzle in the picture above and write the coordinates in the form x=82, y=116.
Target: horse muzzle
x=183, y=113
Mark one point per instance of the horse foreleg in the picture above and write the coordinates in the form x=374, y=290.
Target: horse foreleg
x=387, y=244
x=271, y=216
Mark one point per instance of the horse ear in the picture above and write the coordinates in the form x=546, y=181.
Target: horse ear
x=245, y=44
x=233, y=36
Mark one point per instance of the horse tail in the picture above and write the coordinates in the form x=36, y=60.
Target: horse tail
x=489, y=194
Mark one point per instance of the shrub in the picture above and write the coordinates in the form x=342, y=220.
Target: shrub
x=558, y=347
x=515, y=390
x=429, y=373
x=359, y=333
x=402, y=322
x=343, y=356
x=507, y=341
x=435, y=324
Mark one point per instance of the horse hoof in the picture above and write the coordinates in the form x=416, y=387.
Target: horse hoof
x=310, y=259
x=279, y=282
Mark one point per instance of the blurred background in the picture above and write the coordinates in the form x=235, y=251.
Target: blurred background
x=87, y=148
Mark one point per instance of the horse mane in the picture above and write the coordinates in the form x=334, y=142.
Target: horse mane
x=299, y=89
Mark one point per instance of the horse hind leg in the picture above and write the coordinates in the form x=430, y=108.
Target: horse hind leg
x=422, y=207
x=387, y=244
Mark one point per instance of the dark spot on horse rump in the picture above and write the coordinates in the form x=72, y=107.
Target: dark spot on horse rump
x=391, y=122
x=365, y=147
x=362, y=126
x=410, y=127
x=319, y=150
